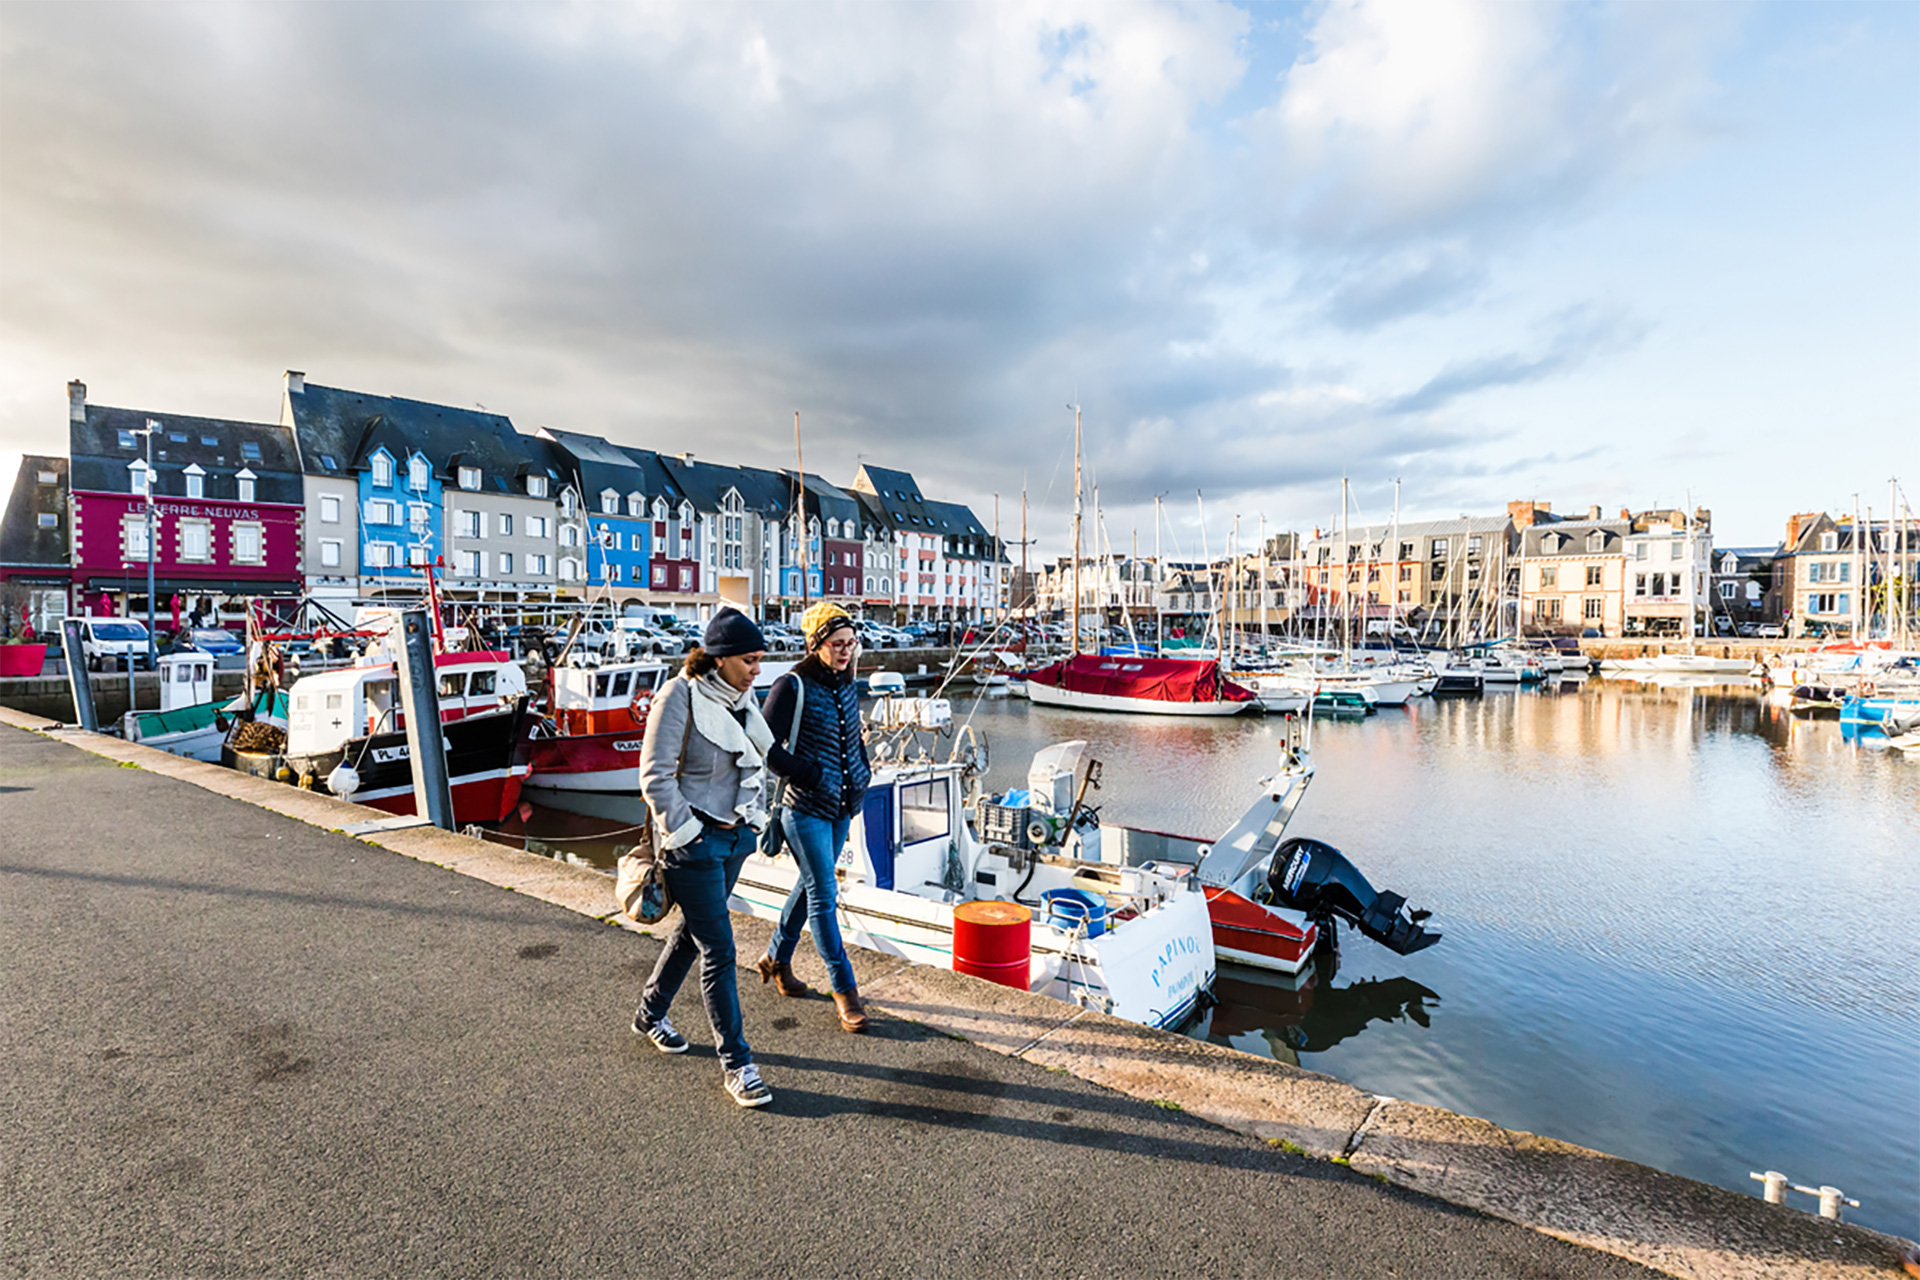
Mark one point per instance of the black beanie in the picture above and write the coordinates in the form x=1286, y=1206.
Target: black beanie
x=730, y=634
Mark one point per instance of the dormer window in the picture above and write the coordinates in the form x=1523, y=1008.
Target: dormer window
x=420, y=475
x=536, y=486
x=469, y=478
x=196, y=481
x=636, y=504
x=243, y=482
x=660, y=509
x=567, y=504
x=609, y=502
x=1830, y=541
x=1596, y=541
x=137, y=476
x=382, y=469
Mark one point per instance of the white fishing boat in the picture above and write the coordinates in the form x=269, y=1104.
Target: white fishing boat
x=1130, y=940
x=190, y=722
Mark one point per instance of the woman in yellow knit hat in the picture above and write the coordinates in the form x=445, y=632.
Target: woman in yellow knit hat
x=829, y=776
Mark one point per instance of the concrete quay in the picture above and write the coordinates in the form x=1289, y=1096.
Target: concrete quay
x=241, y=1040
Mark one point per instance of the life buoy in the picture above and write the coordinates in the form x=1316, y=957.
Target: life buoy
x=1866, y=689
x=639, y=704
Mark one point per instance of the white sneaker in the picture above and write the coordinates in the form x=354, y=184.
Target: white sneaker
x=746, y=1087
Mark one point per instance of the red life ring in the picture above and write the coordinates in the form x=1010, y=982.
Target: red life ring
x=1866, y=688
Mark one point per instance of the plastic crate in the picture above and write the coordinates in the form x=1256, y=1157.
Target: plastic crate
x=1005, y=824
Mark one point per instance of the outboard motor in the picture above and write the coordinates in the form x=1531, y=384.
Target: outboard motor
x=1316, y=878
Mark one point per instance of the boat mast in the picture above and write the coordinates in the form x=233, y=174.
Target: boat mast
x=1393, y=609
x=1159, y=571
x=1076, y=528
x=1346, y=583
x=800, y=509
x=1265, y=566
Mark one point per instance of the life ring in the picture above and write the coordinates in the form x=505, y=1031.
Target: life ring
x=1867, y=689
x=639, y=703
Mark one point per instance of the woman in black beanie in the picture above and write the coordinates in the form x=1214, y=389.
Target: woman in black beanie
x=702, y=765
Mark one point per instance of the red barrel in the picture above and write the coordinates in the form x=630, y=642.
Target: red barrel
x=993, y=940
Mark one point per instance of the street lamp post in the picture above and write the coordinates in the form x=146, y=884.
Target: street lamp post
x=153, y=663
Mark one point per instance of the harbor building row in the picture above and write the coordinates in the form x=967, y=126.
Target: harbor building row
x=1635, y=574
x=350, y=498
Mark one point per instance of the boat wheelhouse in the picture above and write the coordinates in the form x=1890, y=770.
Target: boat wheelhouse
x=346, y=732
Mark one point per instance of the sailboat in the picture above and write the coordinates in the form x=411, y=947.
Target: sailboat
x=1148, y=686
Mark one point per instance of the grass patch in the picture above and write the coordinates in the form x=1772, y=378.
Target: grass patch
x=129, y=764
x=1291, y=1148
x=1166, y=1104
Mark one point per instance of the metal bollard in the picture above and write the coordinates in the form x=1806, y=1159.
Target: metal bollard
x=1830, y=1201
x=1776, y=1186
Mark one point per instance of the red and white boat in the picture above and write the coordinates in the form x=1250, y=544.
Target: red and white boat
x=346, y=731
x=1274, y=900
x=586, y=758
x=1149, y=686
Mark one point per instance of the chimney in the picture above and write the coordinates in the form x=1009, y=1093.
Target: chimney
x=1526, y=514
x=1626, y=513
x=76, y=401
x=1593, y=512
x=296, y=382
x=685, y=455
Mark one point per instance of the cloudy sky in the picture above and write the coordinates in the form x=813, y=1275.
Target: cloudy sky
x=1587, y=253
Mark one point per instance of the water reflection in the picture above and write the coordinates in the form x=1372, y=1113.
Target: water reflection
x=1283, y=1016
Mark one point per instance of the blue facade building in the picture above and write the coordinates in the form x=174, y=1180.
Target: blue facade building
x=618, y=488
x=400, y=509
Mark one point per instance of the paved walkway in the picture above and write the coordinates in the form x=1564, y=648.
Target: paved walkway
x=235, y=1044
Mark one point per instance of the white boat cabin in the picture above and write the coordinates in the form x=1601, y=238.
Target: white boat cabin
x=330, y=709
x=186, y=680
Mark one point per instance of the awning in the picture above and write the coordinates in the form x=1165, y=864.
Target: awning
x=137, y=585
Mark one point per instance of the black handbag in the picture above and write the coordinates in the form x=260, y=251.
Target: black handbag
x=640, y=876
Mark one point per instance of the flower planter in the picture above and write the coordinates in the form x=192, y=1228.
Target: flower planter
x=22, y=659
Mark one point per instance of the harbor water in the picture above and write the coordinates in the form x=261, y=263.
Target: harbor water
x=1682, y=925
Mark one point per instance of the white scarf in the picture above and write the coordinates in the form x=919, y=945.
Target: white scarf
x=713, y=702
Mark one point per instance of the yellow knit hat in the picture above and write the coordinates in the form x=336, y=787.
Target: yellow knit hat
x=821, y=621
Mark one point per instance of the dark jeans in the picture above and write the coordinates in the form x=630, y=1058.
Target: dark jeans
x=701, y=876
x=816, y=844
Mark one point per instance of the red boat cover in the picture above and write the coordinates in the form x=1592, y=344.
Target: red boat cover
x=1154, y=679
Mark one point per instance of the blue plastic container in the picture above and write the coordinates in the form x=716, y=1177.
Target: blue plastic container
x=1068, y=909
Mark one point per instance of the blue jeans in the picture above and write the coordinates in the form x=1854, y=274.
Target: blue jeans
x=701, y=876
x=816, y=844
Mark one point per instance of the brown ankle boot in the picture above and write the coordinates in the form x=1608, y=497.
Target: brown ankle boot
x=853, y=1014
x=781, y=976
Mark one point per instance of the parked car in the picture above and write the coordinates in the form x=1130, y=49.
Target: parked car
x=1748, y=628
x=1771, y=631
x=111, y=643
x=208, y=640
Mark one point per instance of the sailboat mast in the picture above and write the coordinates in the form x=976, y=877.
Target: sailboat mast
x=1265, y=566
x=1346, y=583
x=1076, y=529
x=800, y=509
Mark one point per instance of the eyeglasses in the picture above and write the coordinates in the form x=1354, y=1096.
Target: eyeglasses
x=841, y=644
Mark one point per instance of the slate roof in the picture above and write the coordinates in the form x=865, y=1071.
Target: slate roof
x=704, y=484
x=347, y=427
x=897, y=503
x=601, y=465
x=23, y=543
x=766, y=493
x=658, y=480
x=823, y=501
x=220, y=447
x=1575, y=531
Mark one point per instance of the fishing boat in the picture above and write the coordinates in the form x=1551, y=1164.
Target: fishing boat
x=190, y=721
x=585, y=757
x=1130, y=940
x=346, y=734
x=1148, y=686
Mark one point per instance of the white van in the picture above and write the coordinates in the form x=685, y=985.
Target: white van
x=111, y=643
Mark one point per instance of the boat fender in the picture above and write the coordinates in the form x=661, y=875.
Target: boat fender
x=343, y=781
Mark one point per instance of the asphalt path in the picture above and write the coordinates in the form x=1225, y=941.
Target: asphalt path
x=232, y=1044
